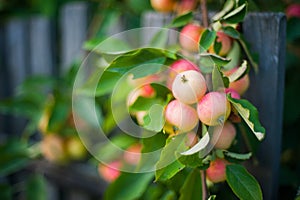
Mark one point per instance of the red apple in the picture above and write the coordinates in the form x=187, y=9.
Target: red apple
x=214, y=108
x=111, y=171
x=241, y=85
x=163, y=5
x=177, y=67
x=189, y=87
x=217, y=170
x=183, y=116
x=233, y=93
x=191, y=139
x=223, y=136
x=190, y=36
x=185, y=6
x=133, y=154
x=144, y=91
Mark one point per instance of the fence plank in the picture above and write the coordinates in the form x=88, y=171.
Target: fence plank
x=41, y=46
x=73, y=27
x=266, y=34
x=16, y=62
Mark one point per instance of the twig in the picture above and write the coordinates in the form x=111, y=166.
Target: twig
x=204, y=186
x=203, y=8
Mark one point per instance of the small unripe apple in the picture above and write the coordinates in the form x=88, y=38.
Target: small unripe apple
x=213, y=109
x=233, y=93
x=185, y=6
x=241, y=85
x=132, y=155
x=216, y=171
x=190, y=36
x=191, y=139
x=75, y=149
x=111, y=171
x=189, y=87
x=163, y=5
x=183, y=116
x=144, y=91
x=53, y=149
x=223, y=136
x=226, y=42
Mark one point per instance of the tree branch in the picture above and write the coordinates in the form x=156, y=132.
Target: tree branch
x=203, y=8
x=204, y=186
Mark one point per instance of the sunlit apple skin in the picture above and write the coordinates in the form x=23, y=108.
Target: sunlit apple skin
x=132, y=155
x=183, y=116
x=233, y=93
x=177, y=67
x=241, y=85
x=190, y=36
x=111, y=171
x=163, y=5
x=75, y=149
x=217, y=170
x=53, y=148
x=213, y=109
x=191, y=139
x=145, y=91
x=185, y=6
x=223, y=136
x=189, y=87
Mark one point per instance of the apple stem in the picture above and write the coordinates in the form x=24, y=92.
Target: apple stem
x=203, y=8
x=183, y=79
x=204, y=186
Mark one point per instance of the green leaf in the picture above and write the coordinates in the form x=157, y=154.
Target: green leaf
x=228, y=6
x=168, y=165
x=110, y=45
x=237, y=15
x=107, y=83
x=190, y=160
x=232, y=32
x=128, y=186
x=160, y=39
x=238, y=156
x=181, y=20
x=192, y=187
x=6, y=192
x=248, y=54
x=242, y=183
x=207, y=39
x=219, y=81
x=212, y=197
x=36, y=188
x=210, y=60
x=201, y=145
x=239, y=73
x=145, y=104
x=169, y=195
x=154, y=120
x=250, y=115
x=14, y=156
x=137, y=58
x=234, y=56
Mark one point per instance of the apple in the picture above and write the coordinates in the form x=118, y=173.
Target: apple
x=178, y=66
x=110, y=171
x=216, y=171
x=191, y=139
x=185, y=6
x=223, y=137
x=189, y=86
x=163, y=5
x=293, y=10
x=226, y=42
x=144, y=91
x=214, y=108
x=190, y=36
x=241, y=85
x=133, y=154
x=53, y=148
x=75, y=149
x=233, y=93
x=183, y=116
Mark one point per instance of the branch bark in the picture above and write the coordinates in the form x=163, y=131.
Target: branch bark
x=204, y=186
x=204, y=13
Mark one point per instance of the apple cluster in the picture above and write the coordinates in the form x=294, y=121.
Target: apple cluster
x=181, y=6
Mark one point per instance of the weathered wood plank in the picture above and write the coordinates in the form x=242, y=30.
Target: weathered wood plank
x=41, y=46
x=73, y=27
x=266, y=34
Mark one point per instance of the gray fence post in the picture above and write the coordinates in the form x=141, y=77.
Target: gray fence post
x=41, y=46
x=73, y=27
x=266, y=33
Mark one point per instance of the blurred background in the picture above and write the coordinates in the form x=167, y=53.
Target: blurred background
x=42, y=43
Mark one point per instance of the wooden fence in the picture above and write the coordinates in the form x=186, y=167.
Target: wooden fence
x=37, y=45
